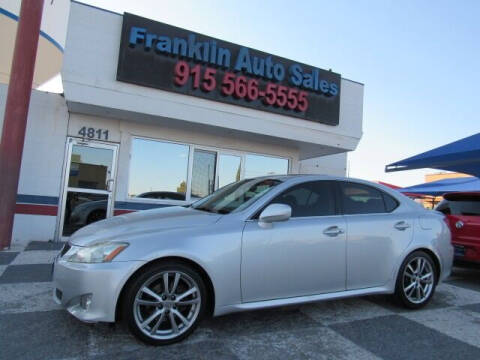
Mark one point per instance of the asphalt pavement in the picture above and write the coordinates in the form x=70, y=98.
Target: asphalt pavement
x=32, y=326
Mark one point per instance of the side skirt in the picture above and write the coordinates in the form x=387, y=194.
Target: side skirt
x=266, y=304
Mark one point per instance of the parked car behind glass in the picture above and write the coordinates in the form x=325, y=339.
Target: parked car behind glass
x=256, y=243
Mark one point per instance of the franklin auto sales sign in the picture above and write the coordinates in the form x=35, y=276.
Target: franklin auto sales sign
x=169, y=58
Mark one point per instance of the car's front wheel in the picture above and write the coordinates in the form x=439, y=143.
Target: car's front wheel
x=416, y=280
x=165, y=303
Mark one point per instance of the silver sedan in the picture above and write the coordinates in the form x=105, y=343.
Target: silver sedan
x=256, y=243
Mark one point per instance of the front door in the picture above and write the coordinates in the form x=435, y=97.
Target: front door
x=89, y=183
x=304, y=255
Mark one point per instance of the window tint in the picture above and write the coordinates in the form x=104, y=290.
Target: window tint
x=309, y=199
x=390, y=203
x=361, y=199
x=465, y=208
x=444, y=207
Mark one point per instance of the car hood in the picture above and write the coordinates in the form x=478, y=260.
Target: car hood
x=142, y=222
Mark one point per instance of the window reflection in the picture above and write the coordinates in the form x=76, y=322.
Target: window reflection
x=203, y=173
x=83, y=209
x=258, y=165
x=90, y=167
x=158, y=170
x=228, y=169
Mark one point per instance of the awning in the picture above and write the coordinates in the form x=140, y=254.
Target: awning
x=459, y=156
x=395, y=187
x=440, y=187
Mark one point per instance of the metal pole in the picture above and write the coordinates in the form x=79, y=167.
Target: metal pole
x=16, y=112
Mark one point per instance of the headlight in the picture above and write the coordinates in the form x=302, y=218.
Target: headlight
x=96, y=253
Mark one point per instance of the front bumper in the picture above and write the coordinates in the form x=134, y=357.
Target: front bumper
x=90, y=291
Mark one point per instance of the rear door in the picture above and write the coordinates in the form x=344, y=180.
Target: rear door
x=376, y=234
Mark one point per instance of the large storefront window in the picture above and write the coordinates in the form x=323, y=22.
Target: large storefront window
x=158, y=170
x=257, y=165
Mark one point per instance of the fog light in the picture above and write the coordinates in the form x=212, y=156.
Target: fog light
x=85, y=301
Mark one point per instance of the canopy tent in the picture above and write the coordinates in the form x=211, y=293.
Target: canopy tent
x=395, y=187
x=440, y=187
x=459, y=156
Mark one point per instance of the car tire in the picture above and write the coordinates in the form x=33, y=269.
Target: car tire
x=416, y=280
x=162, y=312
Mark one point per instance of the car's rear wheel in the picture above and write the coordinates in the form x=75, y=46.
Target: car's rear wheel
x=165, y=303
x=416, y=280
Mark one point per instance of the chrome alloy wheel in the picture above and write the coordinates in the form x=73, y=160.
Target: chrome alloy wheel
x=167, y=305
x=418, y=280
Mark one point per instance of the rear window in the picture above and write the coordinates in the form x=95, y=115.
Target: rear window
x=364, y=199
x=460, y=207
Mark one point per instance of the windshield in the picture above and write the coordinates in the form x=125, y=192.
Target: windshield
x=236, y=196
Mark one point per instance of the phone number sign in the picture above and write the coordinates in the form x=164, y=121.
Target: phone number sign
x=158, y=55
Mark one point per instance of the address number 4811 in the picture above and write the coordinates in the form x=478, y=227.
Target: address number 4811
x=92, y=133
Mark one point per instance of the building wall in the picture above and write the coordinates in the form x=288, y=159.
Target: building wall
x=89, y=76
x=335, y=165
x=42, y=166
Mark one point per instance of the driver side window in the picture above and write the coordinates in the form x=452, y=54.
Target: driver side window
x=316, y=198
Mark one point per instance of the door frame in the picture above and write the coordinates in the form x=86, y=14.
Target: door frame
x=71, y=141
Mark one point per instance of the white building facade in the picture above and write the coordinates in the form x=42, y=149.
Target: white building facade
x=142, y=124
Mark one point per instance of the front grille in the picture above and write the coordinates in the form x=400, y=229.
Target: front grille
x=65, y=248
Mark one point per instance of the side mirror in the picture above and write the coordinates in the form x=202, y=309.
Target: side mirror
x=275, y=212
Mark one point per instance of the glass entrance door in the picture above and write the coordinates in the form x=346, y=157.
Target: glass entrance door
x=89, y=183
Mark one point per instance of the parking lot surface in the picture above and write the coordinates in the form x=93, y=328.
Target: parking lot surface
x=32, y=326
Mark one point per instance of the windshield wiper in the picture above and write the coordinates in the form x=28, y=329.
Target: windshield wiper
x=201, y=208
x=223, y=211
x=220, y=211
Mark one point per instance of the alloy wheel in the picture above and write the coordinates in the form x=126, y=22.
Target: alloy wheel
x=167, y=305
x=418, y=280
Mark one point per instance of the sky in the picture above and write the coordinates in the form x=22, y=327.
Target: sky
x=418, y=61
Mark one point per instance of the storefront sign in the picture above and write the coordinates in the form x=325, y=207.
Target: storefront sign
x=169, y=58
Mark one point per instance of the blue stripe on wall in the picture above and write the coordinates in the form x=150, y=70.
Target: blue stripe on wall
x=37, y=199
x=45, y=35
x=127, y=205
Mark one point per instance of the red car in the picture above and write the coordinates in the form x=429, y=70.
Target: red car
x=463, y=214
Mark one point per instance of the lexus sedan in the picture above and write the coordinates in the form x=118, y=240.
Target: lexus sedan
x=257, y=243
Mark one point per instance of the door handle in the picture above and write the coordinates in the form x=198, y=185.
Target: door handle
x=109, y=185
x=333, y=231
x=401, y=225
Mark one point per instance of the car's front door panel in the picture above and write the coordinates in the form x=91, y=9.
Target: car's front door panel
x=301, y=256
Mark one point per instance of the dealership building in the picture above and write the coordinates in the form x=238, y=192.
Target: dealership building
x=154, y=115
